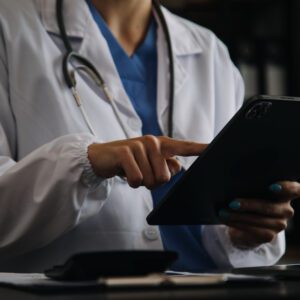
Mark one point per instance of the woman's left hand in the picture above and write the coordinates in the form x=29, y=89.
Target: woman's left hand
x=253, y=222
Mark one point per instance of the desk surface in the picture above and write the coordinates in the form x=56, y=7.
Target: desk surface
x=285, y=290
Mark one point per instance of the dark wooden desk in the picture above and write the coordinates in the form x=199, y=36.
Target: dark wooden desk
x=286, y=290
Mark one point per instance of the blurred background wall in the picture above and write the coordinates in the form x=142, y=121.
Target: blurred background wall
x=263, y=39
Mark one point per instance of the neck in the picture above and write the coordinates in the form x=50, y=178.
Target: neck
x=127, y=19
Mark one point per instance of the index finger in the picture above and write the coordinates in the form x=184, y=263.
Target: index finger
x=171, y=147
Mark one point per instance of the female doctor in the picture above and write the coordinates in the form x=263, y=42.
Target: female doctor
x=63, y=162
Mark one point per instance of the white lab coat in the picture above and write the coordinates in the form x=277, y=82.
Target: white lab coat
x=52, y=205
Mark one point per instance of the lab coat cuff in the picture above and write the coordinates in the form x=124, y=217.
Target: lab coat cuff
x=88, y=177
x=218, y=244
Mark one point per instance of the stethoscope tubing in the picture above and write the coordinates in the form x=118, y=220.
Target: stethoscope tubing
x=87, y=67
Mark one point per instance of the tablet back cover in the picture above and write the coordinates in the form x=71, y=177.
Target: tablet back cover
x=258, y=147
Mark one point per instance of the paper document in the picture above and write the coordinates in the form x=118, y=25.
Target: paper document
x=40, y=282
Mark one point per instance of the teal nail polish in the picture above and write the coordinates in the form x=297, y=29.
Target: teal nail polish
x=236, y=205
x=275, y=188
x=224, y=214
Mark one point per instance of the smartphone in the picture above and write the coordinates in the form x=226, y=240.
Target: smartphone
x=94, y=265
x=258, y=147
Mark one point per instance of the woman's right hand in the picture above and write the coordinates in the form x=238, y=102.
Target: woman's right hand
x=145, y=161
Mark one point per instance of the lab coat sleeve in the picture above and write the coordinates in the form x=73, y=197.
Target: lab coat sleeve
x=225, y=255
x=46, y=193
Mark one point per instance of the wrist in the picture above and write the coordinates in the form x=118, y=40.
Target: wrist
x=92, y=156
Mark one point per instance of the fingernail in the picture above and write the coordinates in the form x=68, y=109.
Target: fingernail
x=236, y=205
x=275, y=188
x=173, y=172
x=224, y=214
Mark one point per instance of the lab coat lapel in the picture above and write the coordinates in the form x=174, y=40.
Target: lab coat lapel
x=80, y=24
x=184, y=44
x=76, y=16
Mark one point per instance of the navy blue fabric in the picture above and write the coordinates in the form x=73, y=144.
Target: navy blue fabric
x=137, y=72
x=139, y=77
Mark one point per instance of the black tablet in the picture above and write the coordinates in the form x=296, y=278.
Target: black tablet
x=258, y=147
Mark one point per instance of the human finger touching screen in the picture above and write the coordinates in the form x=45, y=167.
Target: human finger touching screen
x=148, y=160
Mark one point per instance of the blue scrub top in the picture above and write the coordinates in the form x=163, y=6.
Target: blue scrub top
x=139, y=78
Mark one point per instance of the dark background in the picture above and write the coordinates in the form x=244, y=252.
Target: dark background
x=264, y=42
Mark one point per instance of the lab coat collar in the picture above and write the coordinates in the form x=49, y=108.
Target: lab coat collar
x=77, y=17
x=183, y=41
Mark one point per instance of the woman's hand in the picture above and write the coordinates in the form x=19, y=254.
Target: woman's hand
x=253, y=222
x=149, y=161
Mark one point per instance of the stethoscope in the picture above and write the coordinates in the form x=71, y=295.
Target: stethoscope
x=89, y=69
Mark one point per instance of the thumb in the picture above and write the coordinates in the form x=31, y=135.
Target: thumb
x=173, y=165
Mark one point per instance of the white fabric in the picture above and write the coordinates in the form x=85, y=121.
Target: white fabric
x=51, y=205
x=218, y=244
